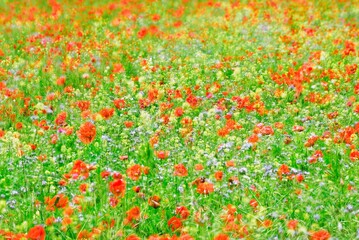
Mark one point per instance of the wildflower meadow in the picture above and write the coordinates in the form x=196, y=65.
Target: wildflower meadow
x=179, y=119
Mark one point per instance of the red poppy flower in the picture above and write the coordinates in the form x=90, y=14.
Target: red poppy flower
x=221, y=236
x=183, y=212
x=37, y=233
x=205, y=188
x=87, y=132
x=162, y=154
x=50, y=220
x=180, y=170
x=179, y=112
x=134, y=172
x=354, y=155
x=253, y=203
x=118, y=68
x=133, y=214
x=142, y=33
x=198, y=167
x=105, y=174
x=107, y=113
x=84, y=234
x=320, y=235
x=2, y=133
x=19, y=126
x=83, y=105
x=128, y=124
x=292, y=224
x=283, y=169
x=218, y=175
x=119, y=103
x=351, y=69
x=133, y=237
x=58, y=201
x=61, y=81
x=118, y=187
x=174, y=223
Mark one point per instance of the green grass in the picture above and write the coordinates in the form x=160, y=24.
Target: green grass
x=215, y=67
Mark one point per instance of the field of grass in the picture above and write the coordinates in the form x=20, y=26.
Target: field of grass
x=179, y=119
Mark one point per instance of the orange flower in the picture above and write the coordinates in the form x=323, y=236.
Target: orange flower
x=142, y=33
x=198, y=167
x=118, y=187
x=320, y=235
x=83, y=105
x=311, y=141
x=292, y=224
x=113, y=201
x=156, y=17
x=54, y=138
x=253, y=203
x=42, y=157
x=58, y=201
x=198, y=181
x=2, y=133
x=68, y=211
x=183, y=212
x=185, y=236
x=218, y=175
x=49, y=221
x=133, y=214
x=205, y=188
x=283, y=169
x=179, y=112
x=134, y=172
x=133, y=237
x=223, y=132
x=119, y=103
x=68, y=130
x=118, y=68
x=18, y=125
x=162, y=154
x=332, y=115
x=351, y=69
x=36, y=233
x=267, y=223
x=230, y=163
x=66, y=221
x=253, y=138
x=107, y=113
x=61, y=119
x=105, y=174
x=279, y=125
x=174, y=223
x=87, y=132
x=267, y=130
x=354, y=155
x=180, y=170
x=154, y=201
x=128, y=124
x=83, y=187
x=61, y=81
x=221, y=236
x=84, y=235
x=80, y=169
x=300, y=178
x=86, y=114
x=145, y=170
